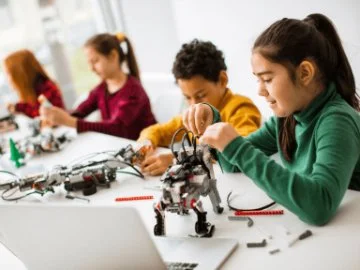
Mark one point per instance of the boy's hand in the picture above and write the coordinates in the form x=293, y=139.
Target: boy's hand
x=197, y=118
x=219, y=135
x=156, y=164
x=55, y=116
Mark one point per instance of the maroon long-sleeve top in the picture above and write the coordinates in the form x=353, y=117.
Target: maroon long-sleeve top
x=49, y=90
x=124, y=113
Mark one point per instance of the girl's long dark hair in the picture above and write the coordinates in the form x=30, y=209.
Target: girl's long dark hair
x=289, y=42
x=105, y=43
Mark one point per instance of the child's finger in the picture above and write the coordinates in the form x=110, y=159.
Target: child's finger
x=147, y=161
x=152, y=167
x=185, y=119
x=201, y=119
x=157, y=171
x=191, y=120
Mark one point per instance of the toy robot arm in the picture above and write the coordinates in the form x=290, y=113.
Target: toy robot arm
x=57, y=175
x=24, y=183
x=134, y=156
x=115, y=163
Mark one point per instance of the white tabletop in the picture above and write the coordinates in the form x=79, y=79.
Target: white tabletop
x=334, y=246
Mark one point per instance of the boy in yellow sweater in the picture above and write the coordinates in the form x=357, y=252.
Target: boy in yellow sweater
x=200, y=72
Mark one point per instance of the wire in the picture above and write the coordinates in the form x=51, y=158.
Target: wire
x=135, y=169
x=194, y=143
x=183, y=144
x=251, y=209
x=82, y=158
x=125, y=172
x=11, y=173
x=14, y=188
x=16, y=198
x=173, y=141
x=10, y=182
x=88, y=156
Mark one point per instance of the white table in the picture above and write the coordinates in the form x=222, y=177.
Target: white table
x=334, y=246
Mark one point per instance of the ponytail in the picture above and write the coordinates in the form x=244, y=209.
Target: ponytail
x=340, y=68
x=289, y=42
x=129, y=56
x=105, y=43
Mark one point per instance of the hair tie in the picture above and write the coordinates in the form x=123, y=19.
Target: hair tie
x=120, y=36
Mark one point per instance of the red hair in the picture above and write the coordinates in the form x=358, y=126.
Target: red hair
x=25, y=72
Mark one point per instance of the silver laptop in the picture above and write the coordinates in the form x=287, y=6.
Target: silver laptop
x=89, y=237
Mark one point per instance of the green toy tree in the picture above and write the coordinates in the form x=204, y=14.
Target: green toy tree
x=15, y=155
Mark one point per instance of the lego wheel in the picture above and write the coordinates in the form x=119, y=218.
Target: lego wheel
x=111, y=177
x=157, y=230
x=68, y=186
x=90, y=190
x=219, y=209
x=197, y=227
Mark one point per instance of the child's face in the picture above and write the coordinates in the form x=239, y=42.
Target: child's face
x=198, y=89
x=103, y=66
x=284, y=97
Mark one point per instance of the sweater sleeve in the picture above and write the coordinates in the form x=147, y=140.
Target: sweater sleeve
x=126, y=112
x=263, y=139
x=161, y=134
x=245, y=119
x=31, y=110
x=87, y=106
x=50, y=91
x=53, y=94
x=315, y=197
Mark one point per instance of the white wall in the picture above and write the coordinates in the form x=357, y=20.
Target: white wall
x=151, y=27
x=233, y=26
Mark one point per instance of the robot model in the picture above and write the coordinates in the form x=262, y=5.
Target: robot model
x=184, y=182
x=85, y=176
x=8, y=123
x=41, y=141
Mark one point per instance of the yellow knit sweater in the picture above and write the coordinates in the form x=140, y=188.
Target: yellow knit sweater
x=235, y=109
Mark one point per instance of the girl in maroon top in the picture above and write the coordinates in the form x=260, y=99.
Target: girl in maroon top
x=29, y=80
x=123, y=103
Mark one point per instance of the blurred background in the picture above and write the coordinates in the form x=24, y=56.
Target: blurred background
x=57, y=29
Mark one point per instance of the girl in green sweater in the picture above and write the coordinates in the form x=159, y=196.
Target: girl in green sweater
x=306, y=78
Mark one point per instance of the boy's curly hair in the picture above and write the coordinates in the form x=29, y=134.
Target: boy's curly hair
x=199, y=58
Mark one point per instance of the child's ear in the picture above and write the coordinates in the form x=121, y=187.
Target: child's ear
x=114, y=55
x=306, y=72
x=223, y=78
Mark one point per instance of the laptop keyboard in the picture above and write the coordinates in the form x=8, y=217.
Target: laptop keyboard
x=180, y=266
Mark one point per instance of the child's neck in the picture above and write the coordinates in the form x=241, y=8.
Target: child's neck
x=221, y=101
x=310, y=93
x=116, y=82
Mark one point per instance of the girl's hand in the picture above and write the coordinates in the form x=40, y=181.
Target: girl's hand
x=11, y=108
x=197, y=118
x=219, y=135
x=156, y=164
x=55, y=116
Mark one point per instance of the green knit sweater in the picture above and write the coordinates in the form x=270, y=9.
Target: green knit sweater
x=326, y=161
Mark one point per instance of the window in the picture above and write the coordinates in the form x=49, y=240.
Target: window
x=6, y=19
x=55, y=31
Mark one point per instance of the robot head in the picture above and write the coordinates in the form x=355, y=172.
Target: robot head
x=191, y=160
